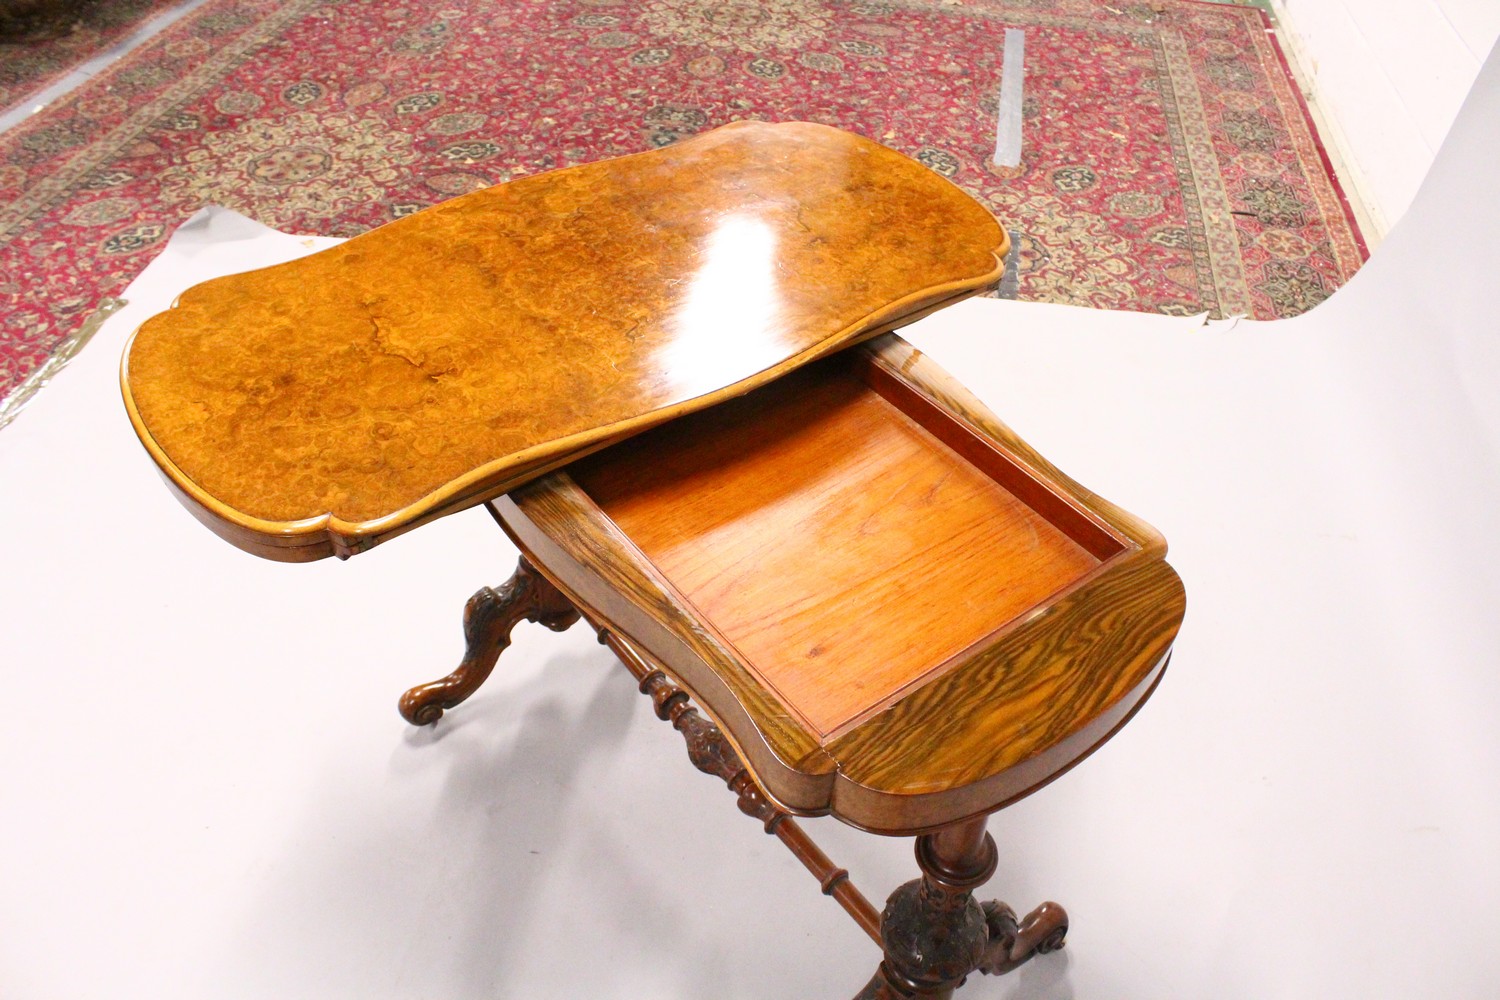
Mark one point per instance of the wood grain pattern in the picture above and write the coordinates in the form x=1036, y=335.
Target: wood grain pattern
x=323, y=405
x=929, y=380
x=1021, y=712
x=1012, y=711
x=842, y=550
x=564, y=534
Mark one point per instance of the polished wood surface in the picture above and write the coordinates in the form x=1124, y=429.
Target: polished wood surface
x=1033, y=695
x=320, y=406
x=836, y=544
x=587, y=557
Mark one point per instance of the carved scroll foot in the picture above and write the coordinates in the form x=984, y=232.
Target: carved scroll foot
x=489, y=617
x=935, y=933
x=1011, y=943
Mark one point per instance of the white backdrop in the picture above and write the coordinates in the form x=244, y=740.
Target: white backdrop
x=206, y=790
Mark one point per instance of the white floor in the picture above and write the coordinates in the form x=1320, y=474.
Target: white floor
x=206, y=790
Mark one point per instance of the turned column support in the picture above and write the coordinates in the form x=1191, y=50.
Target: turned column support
x=489, y=617
x=935, y=933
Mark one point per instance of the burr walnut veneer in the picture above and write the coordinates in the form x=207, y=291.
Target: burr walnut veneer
x=672, y=379
x=320, y=406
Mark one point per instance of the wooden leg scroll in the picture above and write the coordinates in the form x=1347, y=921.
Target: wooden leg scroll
x=489, y=617
x=1043, y=930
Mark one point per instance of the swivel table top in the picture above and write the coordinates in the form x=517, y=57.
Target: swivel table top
x=320, y=406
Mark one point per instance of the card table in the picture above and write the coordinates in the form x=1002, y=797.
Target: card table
x=672, y=378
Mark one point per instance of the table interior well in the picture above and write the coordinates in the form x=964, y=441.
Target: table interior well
x=847, y=536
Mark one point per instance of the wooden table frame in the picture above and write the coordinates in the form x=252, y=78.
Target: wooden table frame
x=577, y=563
x=933, y=932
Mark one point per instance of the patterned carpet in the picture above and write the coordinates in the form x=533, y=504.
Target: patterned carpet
x=1169, y=164
x=27, y=65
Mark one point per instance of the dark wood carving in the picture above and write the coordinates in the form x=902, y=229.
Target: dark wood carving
x=1012, y=942
x=708, y=748
x=489, y=617
x=935, y=933
x=712, y=753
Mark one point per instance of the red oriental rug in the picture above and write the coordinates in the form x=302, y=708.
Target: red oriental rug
x=1169, y=164
x=29, y=63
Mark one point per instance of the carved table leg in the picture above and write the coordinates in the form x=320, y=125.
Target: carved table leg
x=935, y=933
x=489, y=617
x=711, y=752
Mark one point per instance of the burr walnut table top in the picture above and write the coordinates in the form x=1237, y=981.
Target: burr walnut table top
x=319, y=406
